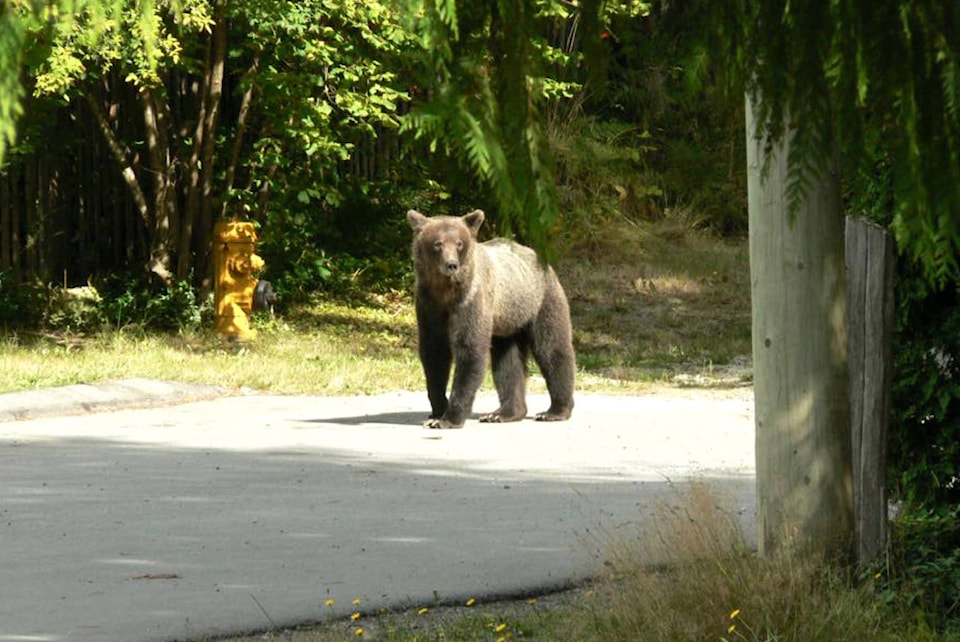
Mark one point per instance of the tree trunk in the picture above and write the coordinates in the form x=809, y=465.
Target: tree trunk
x=214, y=91
x=31, y=225
x=16, y=220
x=165, y=230
x=804, y=477
x=191, y=211
x=6, y=236
x=198, y=215
x=156, y=264
x=237, y=147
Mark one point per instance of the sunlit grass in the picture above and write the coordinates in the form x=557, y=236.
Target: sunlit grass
x=333, y=350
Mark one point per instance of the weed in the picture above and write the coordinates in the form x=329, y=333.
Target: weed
x=921, y=575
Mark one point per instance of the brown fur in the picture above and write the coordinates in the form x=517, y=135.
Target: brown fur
x=480, y=302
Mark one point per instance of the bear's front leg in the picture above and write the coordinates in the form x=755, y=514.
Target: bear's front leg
x=470, y=350
x=467, y=377
x=436, y=356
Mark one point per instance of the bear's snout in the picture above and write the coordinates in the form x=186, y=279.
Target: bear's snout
x=450, y=267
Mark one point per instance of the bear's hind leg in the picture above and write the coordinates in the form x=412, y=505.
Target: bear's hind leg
x=509, y=360
x=552, y=344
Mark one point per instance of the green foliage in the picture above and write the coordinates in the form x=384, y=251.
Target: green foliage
x=484, y=109
x=12, y=33
x=652, y=99
x=925, y=426
x=135, y=36
x=837, y=77
x=22, y=305
x=922, y=575
x=118, y=302
x=132, y=301
x=326, y=78
x=51, y=307
x=59, y=37
x=602, y=168
x=354, y=250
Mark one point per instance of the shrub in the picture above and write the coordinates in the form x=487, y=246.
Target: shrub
x=925, y=423
x=132, y=300
x=22, y=305
x=923, y=572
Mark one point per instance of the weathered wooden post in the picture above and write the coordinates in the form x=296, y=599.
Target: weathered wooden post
x=801, y=382
x=869, y=252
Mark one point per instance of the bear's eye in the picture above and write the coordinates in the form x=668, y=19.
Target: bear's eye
x=438, y=246
x=459, y=246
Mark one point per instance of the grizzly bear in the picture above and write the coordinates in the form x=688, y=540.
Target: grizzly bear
x=487, y=301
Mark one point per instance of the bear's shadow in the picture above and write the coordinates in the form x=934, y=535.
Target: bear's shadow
x=409, y=418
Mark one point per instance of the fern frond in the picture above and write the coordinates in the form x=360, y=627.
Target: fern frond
x=447, y=11
x=12, y=34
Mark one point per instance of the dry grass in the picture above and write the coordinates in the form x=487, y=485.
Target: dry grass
x=692, y=578
x=655, y=304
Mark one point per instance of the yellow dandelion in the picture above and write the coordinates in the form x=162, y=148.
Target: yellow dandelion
x=356, y=601
x=731, y=629
x=355, y=617
x=329, y=602
x=734, y=614
x=878, y=576
x=423, y=611
x=532, y=600
x=471, y=602
x=499, y=628
x=359, y=631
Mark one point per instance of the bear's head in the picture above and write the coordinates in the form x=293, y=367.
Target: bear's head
x=443, y=246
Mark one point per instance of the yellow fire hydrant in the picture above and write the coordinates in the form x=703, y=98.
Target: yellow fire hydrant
x=235, y=264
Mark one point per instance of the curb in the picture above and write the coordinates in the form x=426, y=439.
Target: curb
x=101, y=397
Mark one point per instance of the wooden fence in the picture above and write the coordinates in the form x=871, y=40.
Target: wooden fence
x=869, y=251
x=64, y=211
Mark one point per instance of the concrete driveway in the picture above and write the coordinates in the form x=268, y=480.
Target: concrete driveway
x=241, y=513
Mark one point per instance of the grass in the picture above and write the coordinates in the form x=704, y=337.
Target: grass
x=658, y=304
x=693, y=578
x=327, y=349
x=650, y=304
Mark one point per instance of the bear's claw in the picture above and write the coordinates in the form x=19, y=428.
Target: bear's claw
x=551, y=416
x=434, y=423
x=498, y=417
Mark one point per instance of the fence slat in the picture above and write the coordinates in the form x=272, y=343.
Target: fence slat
x=869, y=250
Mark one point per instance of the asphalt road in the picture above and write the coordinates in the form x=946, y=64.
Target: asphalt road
x=126, y=520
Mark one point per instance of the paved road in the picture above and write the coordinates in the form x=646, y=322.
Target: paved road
x=238, y=513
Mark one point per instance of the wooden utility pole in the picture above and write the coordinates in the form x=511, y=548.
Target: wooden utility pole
x=800, y=371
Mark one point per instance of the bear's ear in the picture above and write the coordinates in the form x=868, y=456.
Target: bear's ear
x=474, y=220
x=417, y=220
